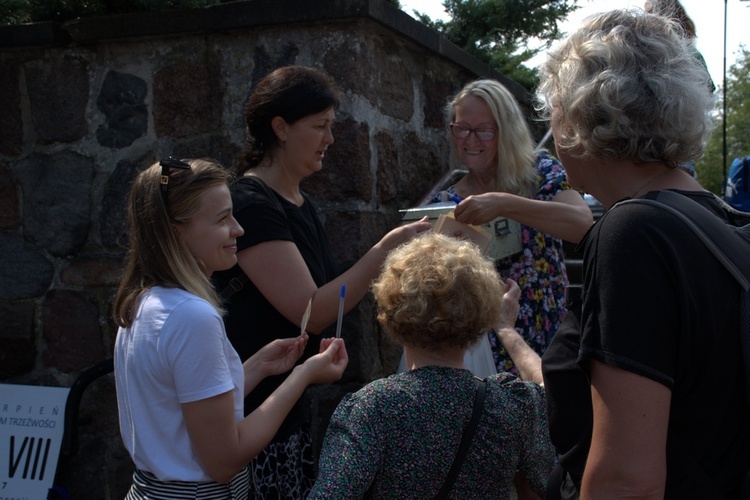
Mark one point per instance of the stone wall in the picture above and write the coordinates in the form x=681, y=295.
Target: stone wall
x=87, y=105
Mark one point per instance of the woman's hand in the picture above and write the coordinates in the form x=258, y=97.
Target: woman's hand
x=510, y=306
x=480, y=208
x=276, y=357
x=280, y=355
x=527, y=361
x=329, y=365
x=404, y=233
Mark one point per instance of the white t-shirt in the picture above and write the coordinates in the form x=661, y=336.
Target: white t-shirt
x=176, y=351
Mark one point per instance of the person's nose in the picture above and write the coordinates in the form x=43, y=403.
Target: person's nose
x=237, y=230
x=328, y=138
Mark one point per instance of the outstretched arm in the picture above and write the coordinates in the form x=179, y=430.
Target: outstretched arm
x=566, y=216
x=223, y=446
x=280, y=273
x=527, y=361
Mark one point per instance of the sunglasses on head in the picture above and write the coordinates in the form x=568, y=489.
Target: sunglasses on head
x=168, y=164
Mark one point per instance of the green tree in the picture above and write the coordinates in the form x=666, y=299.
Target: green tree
x=498, y=32
x=710, y=168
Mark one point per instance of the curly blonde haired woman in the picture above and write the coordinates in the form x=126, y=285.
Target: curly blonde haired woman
x=396, y=437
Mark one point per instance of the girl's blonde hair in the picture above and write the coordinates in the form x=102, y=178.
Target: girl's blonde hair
x=157, y=255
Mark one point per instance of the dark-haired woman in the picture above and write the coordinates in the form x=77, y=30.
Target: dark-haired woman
x=285, y=253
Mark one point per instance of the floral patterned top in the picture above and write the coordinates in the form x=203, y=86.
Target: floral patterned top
x=539, y=271
x=397, y=436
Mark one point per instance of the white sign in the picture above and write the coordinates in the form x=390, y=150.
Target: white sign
x=32, y=423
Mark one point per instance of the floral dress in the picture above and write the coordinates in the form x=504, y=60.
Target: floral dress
x=538, y=269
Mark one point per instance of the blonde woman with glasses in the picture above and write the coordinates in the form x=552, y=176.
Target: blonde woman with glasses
x=490, y=138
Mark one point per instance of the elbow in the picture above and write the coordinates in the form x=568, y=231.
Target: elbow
x=222, y=473
x=649, y=485
x=583, y=223
x=222, y=476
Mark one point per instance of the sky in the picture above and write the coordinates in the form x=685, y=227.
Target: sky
x=708, y=16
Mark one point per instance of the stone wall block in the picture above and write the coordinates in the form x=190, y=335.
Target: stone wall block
x=25, y=272
x=349, y=62
x=216, y=146
x=90, y=272
x=11, y=121
x=391, y=84
x=386, y=182
x=352, y=234
x=188, y=98
x=122, y=101
x=58, y=94
x=284, y=53
x=114, y=203
x=10, y=208
x=57, y=204
x=359, y=331
x=437, y=91
x=378, y=356
x=71, y=331
x=346, y=168
x=421, y=167
x=17, y=349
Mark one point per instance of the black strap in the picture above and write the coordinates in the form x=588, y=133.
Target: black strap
x=725, y=242
x=240, y=278
x=728, y=244
x=466, y=439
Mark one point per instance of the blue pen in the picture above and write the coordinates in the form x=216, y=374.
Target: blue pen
x=341, y=311
x=456, y=198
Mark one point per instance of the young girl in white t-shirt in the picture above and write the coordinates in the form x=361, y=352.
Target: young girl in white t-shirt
x=180, y=383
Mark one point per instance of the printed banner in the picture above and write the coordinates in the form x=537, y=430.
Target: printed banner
x=32, y=422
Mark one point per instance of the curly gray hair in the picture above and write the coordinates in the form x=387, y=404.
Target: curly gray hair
x=627, y=85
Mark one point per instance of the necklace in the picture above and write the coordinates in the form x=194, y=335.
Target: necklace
x=649, y=181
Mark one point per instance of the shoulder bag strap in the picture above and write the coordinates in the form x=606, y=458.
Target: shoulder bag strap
x=718, y=238
x=715, y=234
x=466, y=439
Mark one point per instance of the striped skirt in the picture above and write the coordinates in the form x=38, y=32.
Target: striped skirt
x=147, y=487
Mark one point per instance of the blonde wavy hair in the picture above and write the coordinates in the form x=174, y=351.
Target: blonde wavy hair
x=515, y=144
x=437, y=291
x=157, y=255
x=627, y=85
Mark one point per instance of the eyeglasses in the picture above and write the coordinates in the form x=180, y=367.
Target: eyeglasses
x=166, y=164
x=483, y=134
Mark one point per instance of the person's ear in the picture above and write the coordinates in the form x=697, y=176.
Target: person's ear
x=279, y=126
